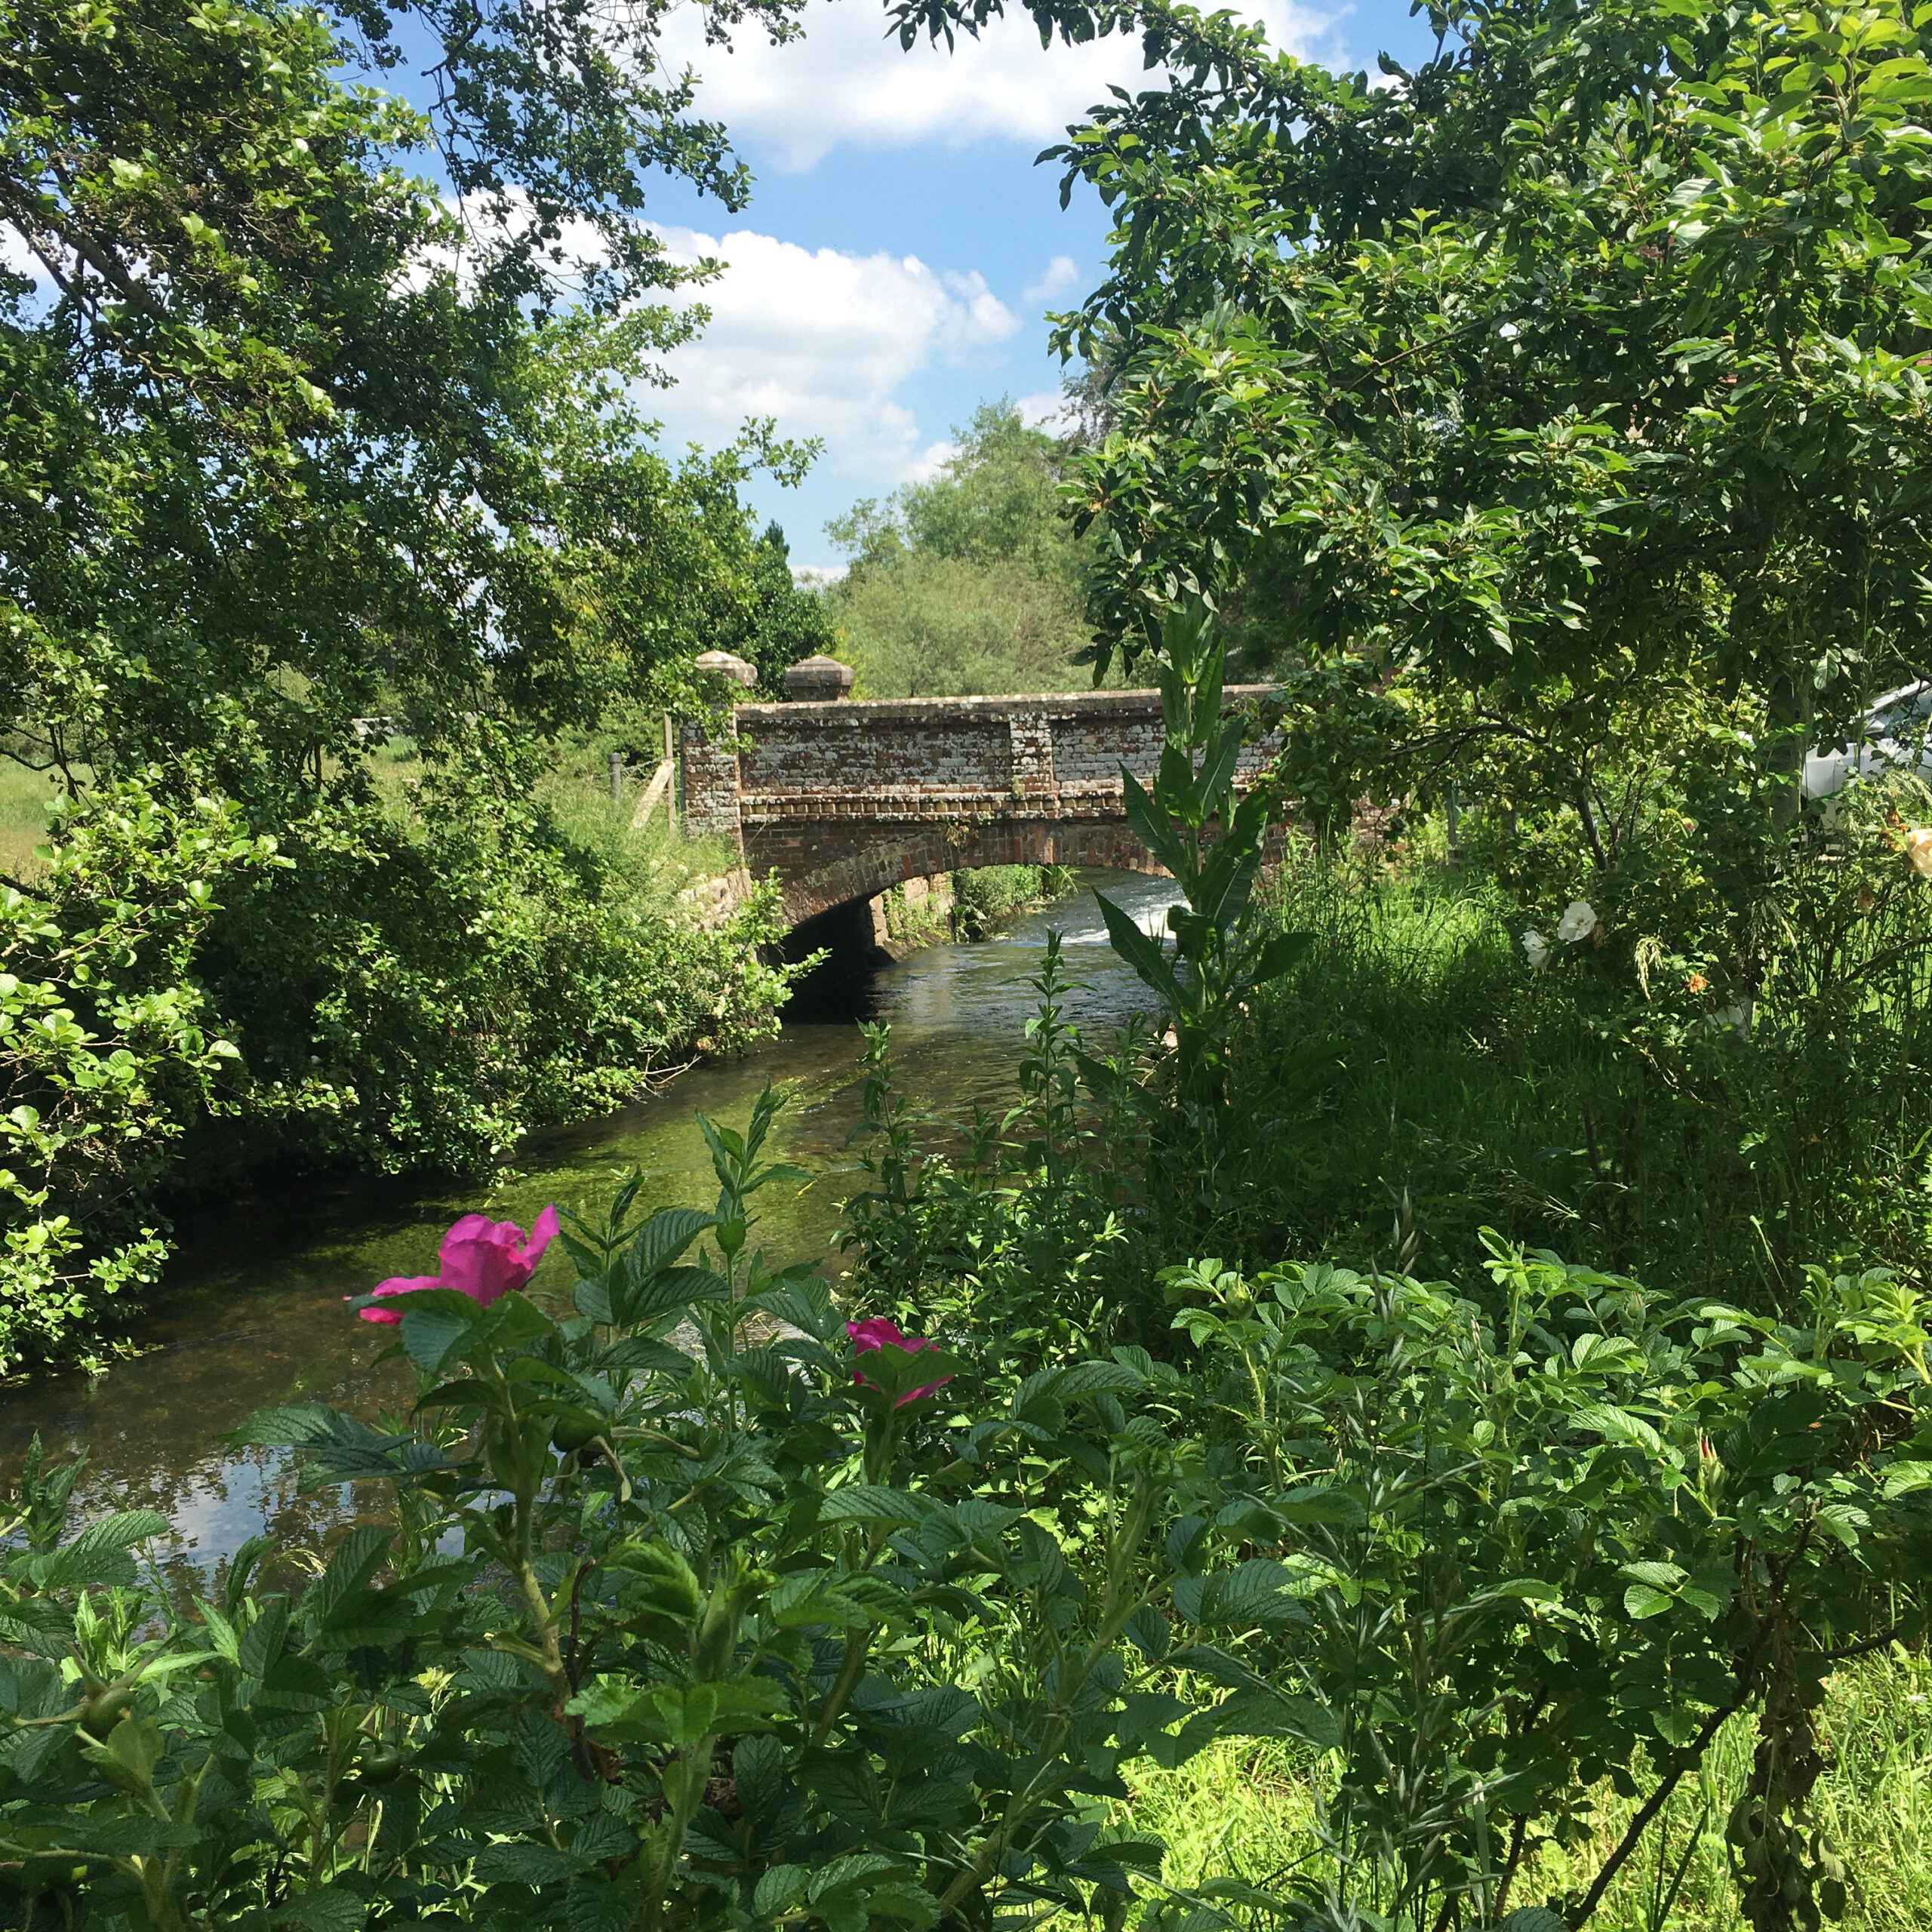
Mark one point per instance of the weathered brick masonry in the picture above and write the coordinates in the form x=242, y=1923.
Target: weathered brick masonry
x=844, y=799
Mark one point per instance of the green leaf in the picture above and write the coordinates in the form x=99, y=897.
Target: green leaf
x=1660, y=1575
x=122, y=1834
x=1144, y=955
x=99, y=1554
x=1278, y=953
x=1906, y=1479
x=663, y=1238
x=127, y=1759
x=1532, y=1918
x=520, y=1863
x=355, y=1560
x=1616, y=1425
x=670, y=1291
x=870, y=1503
x=1152, y=827
x=1252, y=1595
x=433, y=1335
x=777, y=1888
x=331, y=1907
x=1217, y=769
x=1316, y=1503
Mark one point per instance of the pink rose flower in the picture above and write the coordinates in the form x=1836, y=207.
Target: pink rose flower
x=875, y=1332
x=481, y=1258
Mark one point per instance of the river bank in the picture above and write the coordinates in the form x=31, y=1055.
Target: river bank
x=252, y=1313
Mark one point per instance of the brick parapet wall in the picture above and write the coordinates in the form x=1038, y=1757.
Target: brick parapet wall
x=844, y=799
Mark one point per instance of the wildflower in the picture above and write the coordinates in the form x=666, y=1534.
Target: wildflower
x=1696, y=983
x=1536, y=948
x=481, y=1258
x=1578, y=921
x=876, y=1332
x=1918, y=850
x=1867, y=899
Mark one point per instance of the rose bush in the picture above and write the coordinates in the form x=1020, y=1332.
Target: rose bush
x=777, y=1641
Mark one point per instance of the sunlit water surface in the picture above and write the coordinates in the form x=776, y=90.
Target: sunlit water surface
x=252, y=1314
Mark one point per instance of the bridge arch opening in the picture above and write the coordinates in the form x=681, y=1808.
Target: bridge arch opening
x=907, y=913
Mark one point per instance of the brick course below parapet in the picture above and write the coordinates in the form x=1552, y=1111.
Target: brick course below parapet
x=844, y=799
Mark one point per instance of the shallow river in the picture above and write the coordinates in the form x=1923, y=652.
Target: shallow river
x=252, y=1315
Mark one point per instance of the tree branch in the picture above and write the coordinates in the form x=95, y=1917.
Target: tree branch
x=1864, y=1648
x=1747, y=1673
x=1653, y=1805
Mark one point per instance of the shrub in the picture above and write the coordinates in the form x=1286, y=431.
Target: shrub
x=405, y=986
x=1545, y=1533
x=676, y=1611
x=992, y=896
x=426, y=985
x=107, y=1050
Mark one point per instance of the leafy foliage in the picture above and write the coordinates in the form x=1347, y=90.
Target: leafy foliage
x=295, y=441
x=104, y=1051
x=679, y=1621
x=1584, y=1520
x=972, y=581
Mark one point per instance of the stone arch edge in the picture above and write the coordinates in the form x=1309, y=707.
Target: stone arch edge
x=890, y=861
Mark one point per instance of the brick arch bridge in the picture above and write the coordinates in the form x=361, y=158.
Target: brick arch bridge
x=843, y=799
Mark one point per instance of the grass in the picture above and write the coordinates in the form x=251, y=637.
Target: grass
x=23, y=800
x=1450, y=1089
x=1245, y=1811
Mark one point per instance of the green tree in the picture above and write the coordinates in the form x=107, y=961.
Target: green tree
x=1581, y=366
x=973, y=581
x=1562, y=406
x=784, y=622
x=295, y=436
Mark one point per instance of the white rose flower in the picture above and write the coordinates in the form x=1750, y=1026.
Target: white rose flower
x=1578, y=921
x=1536, y=948
x=1918, y=850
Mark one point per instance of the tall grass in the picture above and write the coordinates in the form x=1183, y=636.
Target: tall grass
x=1411, y=1082
x=1246, y=1810
x=24, y=795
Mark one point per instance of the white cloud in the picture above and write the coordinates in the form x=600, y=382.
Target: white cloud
x=929, y=462
x=16, y=257
x=1060, y=274
x=822, y=341
x=1046, y=409
x=844, y=83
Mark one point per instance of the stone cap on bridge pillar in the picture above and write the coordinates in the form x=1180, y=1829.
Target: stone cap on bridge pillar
x=736, y=669
x=818, y=679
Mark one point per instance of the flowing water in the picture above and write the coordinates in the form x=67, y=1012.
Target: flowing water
x=252, y=1315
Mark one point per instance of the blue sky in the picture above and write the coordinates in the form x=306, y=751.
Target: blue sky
x=901, y=249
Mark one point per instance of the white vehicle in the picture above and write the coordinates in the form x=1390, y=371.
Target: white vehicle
x=1892, y=739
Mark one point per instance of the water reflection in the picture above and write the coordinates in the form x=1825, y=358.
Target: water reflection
x=253, y=1315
